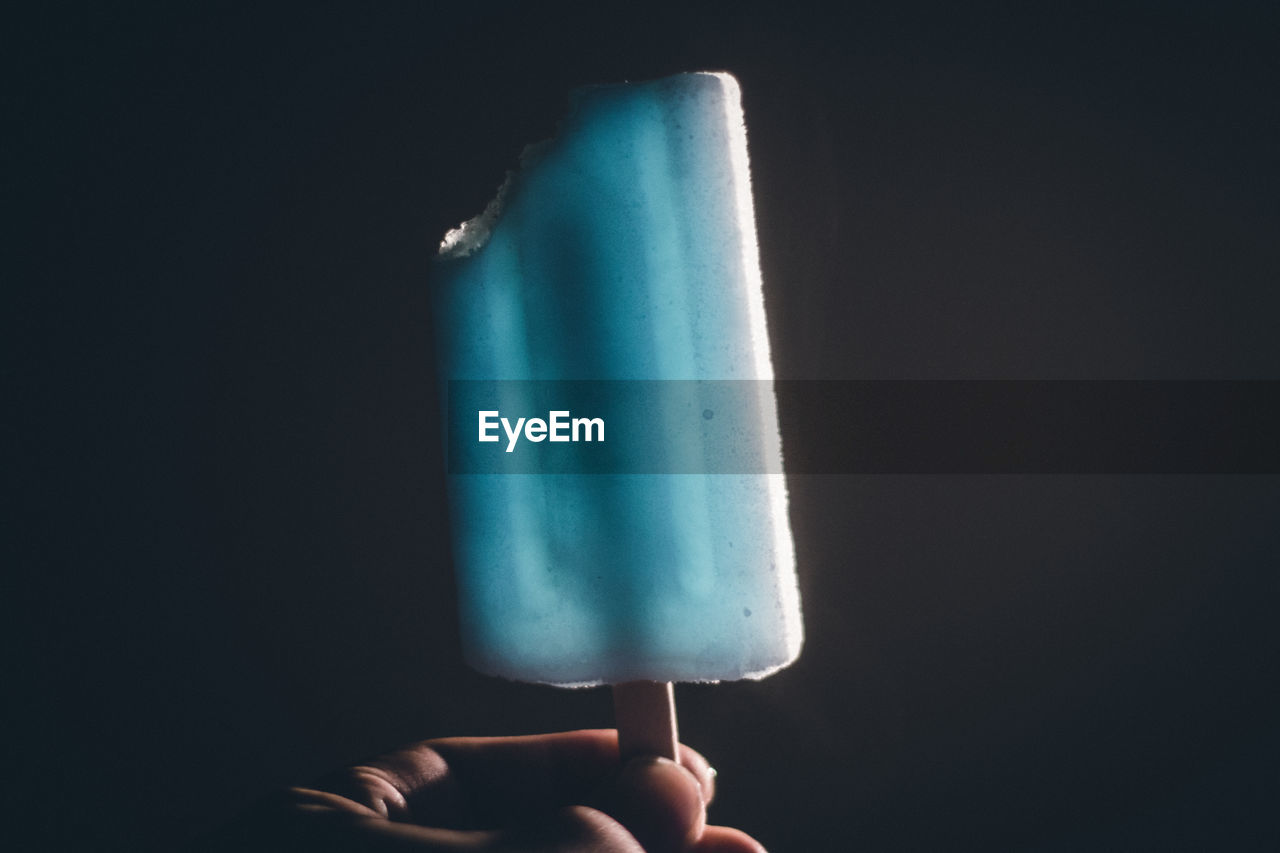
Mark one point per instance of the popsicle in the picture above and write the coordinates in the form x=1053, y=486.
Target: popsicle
x=622, y=249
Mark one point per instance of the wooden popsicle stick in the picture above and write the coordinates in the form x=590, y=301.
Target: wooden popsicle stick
x=646, y=716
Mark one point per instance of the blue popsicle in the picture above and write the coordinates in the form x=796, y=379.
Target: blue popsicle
x=623, y=249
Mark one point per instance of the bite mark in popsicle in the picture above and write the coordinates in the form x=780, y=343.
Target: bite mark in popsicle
x=623, y=249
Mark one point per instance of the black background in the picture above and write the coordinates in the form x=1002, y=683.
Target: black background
x=231, y=565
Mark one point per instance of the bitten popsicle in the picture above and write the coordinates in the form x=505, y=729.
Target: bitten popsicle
x=623, y=249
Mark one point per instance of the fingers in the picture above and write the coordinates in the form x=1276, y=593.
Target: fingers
x=693, y=761
x=660, y=803
x=473, y=783
x=498, y=779
x=559, y=792
x=573, y=830
x=723, y=839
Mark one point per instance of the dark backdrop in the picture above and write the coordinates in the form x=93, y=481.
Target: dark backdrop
x=226, y=492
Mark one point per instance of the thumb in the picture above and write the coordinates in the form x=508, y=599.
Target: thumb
x=660, y=803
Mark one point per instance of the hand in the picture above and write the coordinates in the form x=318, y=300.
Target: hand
x=558, y=792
